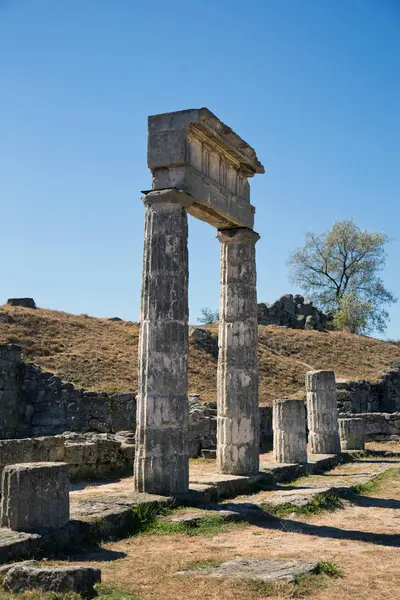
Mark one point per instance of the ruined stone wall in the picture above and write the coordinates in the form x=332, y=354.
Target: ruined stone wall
x=294, y=312
x=34, y=403
x=89, y=456
x=378, y=425
x=10, y=410
x=364, y=396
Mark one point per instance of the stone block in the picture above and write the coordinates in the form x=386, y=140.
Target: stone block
x=79, y=580
x=352, y=433
x=35, y=496
x=193, y=151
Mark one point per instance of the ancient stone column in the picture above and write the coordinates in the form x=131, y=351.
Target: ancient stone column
x=237, y=380
x=351, y=433
x=161, y=459
x=290, y=436
x=322, y=412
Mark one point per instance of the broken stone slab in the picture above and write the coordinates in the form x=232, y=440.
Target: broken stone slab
x=80, y=580
x=227, y=513
x=300, y=497
x=261, y=569
x=25, y=563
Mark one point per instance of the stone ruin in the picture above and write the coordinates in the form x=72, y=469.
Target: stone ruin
x=201, y=167
x=293, y=312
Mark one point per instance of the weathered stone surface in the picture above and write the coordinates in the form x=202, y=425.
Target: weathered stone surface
x=89, y=456
x=378, y=426
x=202, y=429
x=237, y=379
x=80, y=580
x=292, y=311
x=162, y=459
x=34, y=403
x=290, y=436
x=322, y=412
x=25, y=302
x=192, y=150
x=351, y=433
x=35, y=496
x=204, y=339
x=365, y=396
x=261, y=569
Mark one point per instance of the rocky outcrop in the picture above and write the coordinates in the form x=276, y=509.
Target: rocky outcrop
x=24, y=302
x=293, y=312
x=204, y=339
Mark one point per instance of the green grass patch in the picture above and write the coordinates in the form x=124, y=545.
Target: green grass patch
x=209, y=526
x=324, y=501
x=363, y=489
x=110, y=593
x=327, y=568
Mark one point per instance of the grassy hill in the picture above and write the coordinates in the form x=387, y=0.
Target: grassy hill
x=102, y=355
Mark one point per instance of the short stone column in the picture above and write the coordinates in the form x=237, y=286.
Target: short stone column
x=237, y=379
x=161, y=458
x=322, y=412
x=290, y=435
x=352, y=433
x=35, y=496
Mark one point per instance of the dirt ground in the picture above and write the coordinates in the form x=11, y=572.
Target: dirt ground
x=362, y=539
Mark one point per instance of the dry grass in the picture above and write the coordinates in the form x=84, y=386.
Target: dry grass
x=362, y=539
x=100, y=354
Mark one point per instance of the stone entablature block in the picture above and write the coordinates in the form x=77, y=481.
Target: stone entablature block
x=192, y=150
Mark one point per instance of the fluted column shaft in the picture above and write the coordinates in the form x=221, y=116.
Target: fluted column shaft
x=352, y=433
x=289, y=426
x=322, y=412
x=161, y=459
x=237, y=380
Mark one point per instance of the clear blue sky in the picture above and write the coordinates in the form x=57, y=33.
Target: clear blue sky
x=312, y=85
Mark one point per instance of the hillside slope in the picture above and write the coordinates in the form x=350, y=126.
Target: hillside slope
x=102, y=355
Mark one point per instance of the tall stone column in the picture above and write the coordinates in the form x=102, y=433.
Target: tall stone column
x=289, y=425
x=162, y=459
x=237, y=381
x=322, y=412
